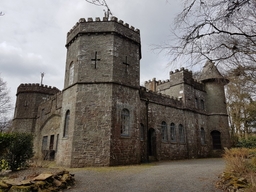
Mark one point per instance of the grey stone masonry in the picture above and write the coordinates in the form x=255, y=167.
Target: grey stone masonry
x=103, y=117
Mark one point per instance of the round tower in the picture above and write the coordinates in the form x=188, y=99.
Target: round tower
x=215, y=103
x=28, y=98
x=214, y=86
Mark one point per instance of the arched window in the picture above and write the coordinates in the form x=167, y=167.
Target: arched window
x=202, y=136
x=71, y=74
x=125, y=122
x=202, y=104
x=181, y=134
x=142, y=132
x=196, y=103
x=66, y=124
x=164, y=131
x=173, y=132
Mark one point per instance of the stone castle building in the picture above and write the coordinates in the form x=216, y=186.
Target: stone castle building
x=104, y=117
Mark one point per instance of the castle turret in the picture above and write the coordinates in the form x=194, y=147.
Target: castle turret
x=103, y=51
x=215, y=104
x=214, y=86
x=28, y=98
x=102, y=82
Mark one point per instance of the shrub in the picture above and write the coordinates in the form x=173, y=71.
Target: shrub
x=247, y=143
x=16, y=149
x=236, y=160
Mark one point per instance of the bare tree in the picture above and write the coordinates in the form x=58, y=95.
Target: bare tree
x=5, y=102
x=223, y=31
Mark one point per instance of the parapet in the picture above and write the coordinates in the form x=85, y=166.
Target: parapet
x=37, y=88
x=83, y=27
x=159, y=98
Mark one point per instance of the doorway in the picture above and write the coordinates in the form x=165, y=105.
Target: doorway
x=216, y=140
x=152, y=142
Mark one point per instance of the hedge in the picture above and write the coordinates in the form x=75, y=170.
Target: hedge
x=15, y=150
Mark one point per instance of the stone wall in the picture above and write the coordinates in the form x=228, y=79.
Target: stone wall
x=125, y=149
x=48, y=127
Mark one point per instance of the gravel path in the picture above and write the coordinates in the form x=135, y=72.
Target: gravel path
x=195, y=175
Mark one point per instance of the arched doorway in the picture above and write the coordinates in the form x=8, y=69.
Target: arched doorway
x=216, y=140
x=152, y=142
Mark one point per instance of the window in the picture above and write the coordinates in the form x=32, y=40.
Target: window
x=196, y=103
x=42, y=113
x=66, y=124
x=125, y=122
x=57, y=143
x=142, y=131
x=44, y=143
x=51, y=142
x=202, y=104
x=181, y=134
x=202, y=135
x=71, y=74
x=164, y=131
x=173, y=132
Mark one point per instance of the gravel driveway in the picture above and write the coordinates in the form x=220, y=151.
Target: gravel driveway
x=176, y=176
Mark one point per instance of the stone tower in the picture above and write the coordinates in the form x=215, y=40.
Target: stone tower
x=101, y=84
x=29, y=97
x=216, y=105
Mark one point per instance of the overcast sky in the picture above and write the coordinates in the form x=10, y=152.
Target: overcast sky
x=33, y=35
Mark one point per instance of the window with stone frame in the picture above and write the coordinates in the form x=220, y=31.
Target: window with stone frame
x=181, y=134
x=71, y=74
x=202, y=104
x=142, y=132
x=57, y=143
x=173, y=132
x=66, y=124
x=45, y=143
x=196, y=103
x=125, y=122
x=202, y=136
x=164, y=131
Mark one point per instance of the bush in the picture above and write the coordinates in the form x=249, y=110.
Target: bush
x=236, y=160
x=249, y=143
x=16, y=149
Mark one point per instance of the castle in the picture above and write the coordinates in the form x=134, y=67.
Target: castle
x=104, y=117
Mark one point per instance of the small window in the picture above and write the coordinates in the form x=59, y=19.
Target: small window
x=51, y=142
x=44, y=143
x=196, y=103
x=42, y=113
x=125, y=122
x=71, y=74
x=66, y=124
x=202, y=135
x=164, y=131
x=202, y=104
x=173, y=132
x=181, y=134
x=57, y=142
x=142, y=132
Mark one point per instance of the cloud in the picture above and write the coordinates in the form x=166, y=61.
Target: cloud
x=33, y=36
x=15, y=61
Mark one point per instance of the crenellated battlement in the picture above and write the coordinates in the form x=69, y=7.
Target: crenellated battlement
x=159, y=98
x=37, y=88
x=83, y=27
